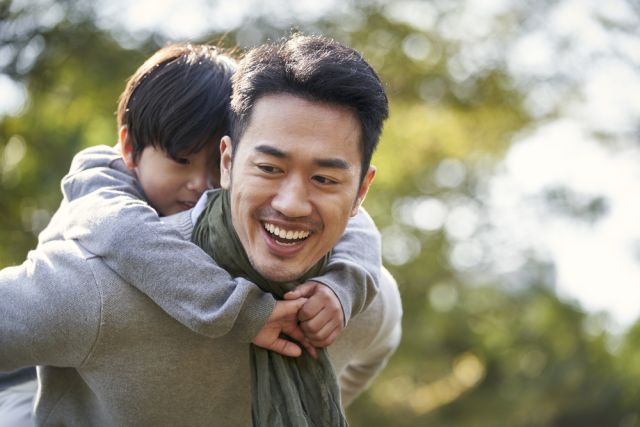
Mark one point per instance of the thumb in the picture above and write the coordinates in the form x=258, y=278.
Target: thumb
x=284, y=309
x=286, y=348
x=304, y=290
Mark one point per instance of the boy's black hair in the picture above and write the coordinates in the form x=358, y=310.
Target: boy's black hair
x=317, y=69
x=178, y=100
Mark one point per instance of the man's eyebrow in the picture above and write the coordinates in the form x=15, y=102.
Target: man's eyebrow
x=334, y=163
x=271, y=151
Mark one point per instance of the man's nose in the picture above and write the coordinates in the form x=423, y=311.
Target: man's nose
x=292, y=198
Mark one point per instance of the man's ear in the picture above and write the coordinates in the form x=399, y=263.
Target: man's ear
x=364, y=188
x=126, y=148
x=226, y=159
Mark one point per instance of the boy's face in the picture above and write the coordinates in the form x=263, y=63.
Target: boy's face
x=171, y=186
x=294, y=182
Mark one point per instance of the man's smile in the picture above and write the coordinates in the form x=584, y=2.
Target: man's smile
x=285, y=240
x=286, y=236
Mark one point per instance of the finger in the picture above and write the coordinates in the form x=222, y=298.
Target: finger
x=291, y=295
x=312, y=351
x=296, y=333
x=319, y=331
x=311, y=308
x=330, y=339
x=286, y=347
x=304, y=290
x=313, y=325
x=309, y=347
x=284, y=310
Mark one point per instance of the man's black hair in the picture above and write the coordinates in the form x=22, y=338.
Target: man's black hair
x=317, y=69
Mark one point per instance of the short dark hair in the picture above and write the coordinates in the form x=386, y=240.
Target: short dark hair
x=178, y=100
x=317, y=69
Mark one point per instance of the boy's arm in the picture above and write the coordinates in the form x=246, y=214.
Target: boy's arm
x=353, y=272
x=176, y=274
x=103, y=211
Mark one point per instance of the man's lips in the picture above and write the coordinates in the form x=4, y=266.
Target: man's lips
x=287, y=235
x=189, y=204
x=285, y=240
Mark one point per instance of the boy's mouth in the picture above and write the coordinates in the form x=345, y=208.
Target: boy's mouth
x=187, y=204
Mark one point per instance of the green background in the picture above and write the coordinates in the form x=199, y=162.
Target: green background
x=478, y=349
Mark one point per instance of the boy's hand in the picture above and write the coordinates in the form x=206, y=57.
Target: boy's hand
x=321, y=317
x=284, y=320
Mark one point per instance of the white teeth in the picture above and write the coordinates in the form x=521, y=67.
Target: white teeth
x=286, y=234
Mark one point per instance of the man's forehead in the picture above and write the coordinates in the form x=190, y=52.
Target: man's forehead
x=277, y=116
x=281, y=104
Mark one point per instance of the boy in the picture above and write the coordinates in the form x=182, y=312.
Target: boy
x=170, y=117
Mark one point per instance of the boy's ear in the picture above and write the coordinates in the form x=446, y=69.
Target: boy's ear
x=126, y=148
x=364, y=188
x=226, y=159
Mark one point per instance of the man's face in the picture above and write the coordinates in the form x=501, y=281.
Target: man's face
x=295, y=179
x=172, y=186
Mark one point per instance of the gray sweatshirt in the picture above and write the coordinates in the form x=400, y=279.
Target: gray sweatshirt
x=110, y=356
x=103, y=209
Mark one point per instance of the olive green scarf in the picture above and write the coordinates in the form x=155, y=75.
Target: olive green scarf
x=286, y=391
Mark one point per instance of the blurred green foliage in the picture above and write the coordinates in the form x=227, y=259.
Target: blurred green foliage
x=482, y=352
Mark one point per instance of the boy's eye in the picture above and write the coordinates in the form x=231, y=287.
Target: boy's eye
x=183, y=161
x=324, y=180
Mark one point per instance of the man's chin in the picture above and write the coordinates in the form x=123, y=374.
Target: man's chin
x=279, y=273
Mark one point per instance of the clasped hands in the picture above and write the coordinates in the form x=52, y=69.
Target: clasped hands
x=310, y=314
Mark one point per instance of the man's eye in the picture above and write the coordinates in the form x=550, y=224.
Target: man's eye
x=268, y=168
x=324, y=180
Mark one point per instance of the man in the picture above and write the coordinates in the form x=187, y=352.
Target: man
x=308, y=115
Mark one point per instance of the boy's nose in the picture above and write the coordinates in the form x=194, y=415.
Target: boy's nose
x=199, y=182
x=292, y=199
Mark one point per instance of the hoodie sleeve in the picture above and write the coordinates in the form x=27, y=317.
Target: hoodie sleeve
x=104, y=212
x=353, y=272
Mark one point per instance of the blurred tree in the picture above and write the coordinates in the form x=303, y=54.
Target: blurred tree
x=73, y=74
x=479, y=348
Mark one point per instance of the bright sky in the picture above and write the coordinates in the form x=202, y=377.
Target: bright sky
x=597, y=265
x=185, y=19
